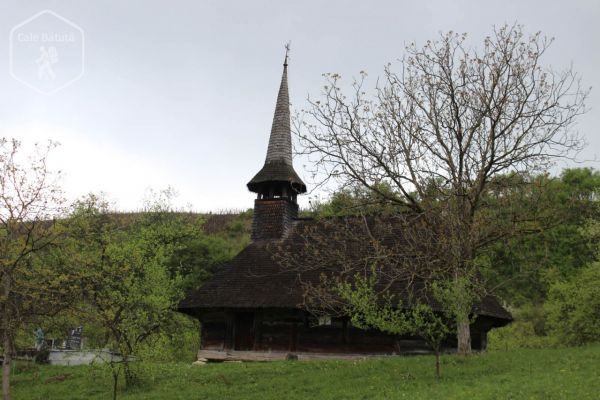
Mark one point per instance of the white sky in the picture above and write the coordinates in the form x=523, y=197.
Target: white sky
x=182, y=93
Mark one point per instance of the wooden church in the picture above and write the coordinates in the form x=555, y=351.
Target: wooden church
x=252, y=307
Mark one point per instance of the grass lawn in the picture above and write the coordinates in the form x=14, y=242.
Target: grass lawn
x=572, y=373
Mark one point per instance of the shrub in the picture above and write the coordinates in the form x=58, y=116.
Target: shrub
x=573, y=307
x=527, y=331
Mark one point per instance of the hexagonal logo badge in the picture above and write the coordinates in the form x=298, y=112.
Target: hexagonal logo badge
x=47, y=52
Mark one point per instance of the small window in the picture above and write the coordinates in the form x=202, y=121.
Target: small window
x=324, y=320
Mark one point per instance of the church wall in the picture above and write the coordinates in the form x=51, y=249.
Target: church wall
x=292, y=331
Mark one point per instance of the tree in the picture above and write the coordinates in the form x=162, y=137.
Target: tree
x=127, y=287
x=369, y=309
x=136, y=268
x=30, y=201
x=438, y=131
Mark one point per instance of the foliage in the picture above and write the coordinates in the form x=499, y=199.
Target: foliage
x=557, y=212
x=526, y=270
x=177, y=241
x=369, y=309
x=527, y=331
x=356, y=201
x=57, y=326
x=561, y=214
x=30, y=201
x=574, y=307
x=135, y=268
x=127, y=287
x=178, y=340
x=455, y=295
x=547, y=374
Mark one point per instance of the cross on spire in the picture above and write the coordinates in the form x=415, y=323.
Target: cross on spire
x=287, y=53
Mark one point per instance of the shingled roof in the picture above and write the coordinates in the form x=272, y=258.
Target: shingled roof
x=278, y=165
x=255, y=279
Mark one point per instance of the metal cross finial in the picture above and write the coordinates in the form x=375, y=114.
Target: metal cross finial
x=287, y=52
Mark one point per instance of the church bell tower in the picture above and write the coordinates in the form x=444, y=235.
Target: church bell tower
x=277, y=184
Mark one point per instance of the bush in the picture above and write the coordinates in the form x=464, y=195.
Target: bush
x=573, y=308
x=527, y=331
x=178, y=341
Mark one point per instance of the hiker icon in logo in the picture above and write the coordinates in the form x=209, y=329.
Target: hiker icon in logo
x=47, y=58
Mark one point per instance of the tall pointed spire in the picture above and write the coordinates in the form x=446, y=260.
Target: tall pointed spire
x=277, y=178
x=280, y=142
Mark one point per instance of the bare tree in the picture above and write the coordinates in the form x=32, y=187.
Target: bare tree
x=30, y=199
x=439, y=130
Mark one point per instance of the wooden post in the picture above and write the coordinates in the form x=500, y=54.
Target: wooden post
x=257, y=331
x=202, y=332
x=293, y=337
x=344, y=331
x=230, y=332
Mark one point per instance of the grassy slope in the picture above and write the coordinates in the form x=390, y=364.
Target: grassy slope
x=518, y=374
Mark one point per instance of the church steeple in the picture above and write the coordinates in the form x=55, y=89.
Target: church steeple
x=277, y=178
x=280, y=142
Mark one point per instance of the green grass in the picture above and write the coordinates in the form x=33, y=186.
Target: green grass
x=572, y=373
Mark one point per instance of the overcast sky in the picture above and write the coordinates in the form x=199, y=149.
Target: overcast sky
x=182, y=93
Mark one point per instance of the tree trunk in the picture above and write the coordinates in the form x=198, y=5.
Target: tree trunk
x=115, y=383
x=463, y=334
x=130, y=377
x=462, y=292
x=6, y=339
x=437, y=364
x=6, y=366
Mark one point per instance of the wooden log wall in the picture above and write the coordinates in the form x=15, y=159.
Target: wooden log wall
x=293, y=331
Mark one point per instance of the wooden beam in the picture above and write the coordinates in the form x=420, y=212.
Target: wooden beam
x=236, y=355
